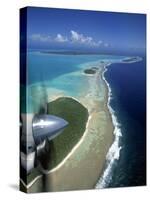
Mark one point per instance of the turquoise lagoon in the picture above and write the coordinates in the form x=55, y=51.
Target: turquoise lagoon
x=57, y=74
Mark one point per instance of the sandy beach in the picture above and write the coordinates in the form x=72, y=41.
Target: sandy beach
x=83, y=166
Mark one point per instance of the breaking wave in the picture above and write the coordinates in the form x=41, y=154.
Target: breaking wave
x=114, y=151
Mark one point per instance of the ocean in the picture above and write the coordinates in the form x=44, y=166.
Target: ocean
x=127, y=166
x=53, y=74
x=129, y=85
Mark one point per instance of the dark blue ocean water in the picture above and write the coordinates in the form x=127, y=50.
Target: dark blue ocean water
x=128, y=84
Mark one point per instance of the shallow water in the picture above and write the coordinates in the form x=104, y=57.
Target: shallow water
x=50, y=75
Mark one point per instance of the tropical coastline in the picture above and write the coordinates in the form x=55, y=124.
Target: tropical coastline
x=88, y=156
x=84, y=100
x=102, y=124
x=114, y=150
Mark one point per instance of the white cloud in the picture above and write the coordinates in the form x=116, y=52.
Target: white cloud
x=40, y=37
x=106, y=45
x=76, y=37
x=88, y=40
x=100, y=42
x=60, y=38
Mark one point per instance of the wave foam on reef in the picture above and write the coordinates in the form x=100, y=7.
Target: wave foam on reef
x=114, y=151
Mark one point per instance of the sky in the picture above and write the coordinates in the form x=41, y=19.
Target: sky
x=107, y=32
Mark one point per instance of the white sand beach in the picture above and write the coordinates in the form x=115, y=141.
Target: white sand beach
x=83, y=166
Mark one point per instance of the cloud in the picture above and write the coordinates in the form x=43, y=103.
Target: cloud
x=60, y=38
x=75, y=37
x=39, y=37
x=80, y=38
x=106, y=45
x=100, y=42
x=87, y=40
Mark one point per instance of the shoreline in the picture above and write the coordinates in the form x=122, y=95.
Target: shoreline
x=99, y=118
x=66, y=158
x=114, y=150
x=69, y=154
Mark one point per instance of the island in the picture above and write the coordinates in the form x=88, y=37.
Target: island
x=131, y=59
x=76, y=158
x=57, y=149
x=76, y=115
x=91, y=71
x=63, y=52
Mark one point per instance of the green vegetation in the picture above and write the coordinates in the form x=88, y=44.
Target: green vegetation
x=35, y=172
x=89, y=71
x=77, y=116
x=57, y=149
